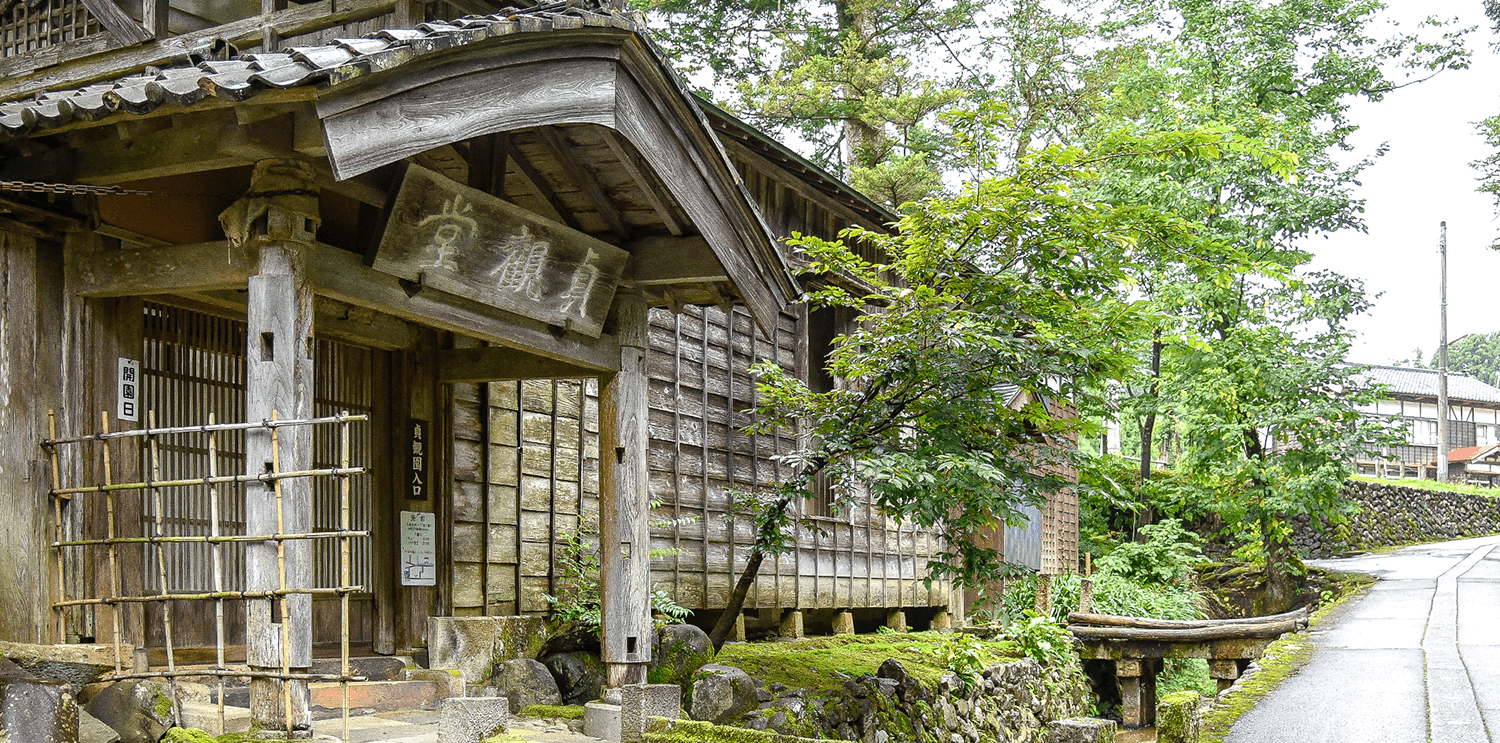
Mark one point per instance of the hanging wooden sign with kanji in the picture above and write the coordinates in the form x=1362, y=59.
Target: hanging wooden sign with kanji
x=466, y=242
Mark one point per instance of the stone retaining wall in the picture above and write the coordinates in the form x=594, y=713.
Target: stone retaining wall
x=1391, y=514
x=1011, y=702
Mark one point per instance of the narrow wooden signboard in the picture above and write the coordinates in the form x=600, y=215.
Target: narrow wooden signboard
x=466, y=242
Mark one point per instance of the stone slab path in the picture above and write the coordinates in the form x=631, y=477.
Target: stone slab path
x=1416, y=659
x=421, y=726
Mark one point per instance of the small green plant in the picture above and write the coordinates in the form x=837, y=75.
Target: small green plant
x=1167, y=556
x=963, y=655
x=884, y=630
x=577, y=602
x=1042, y=639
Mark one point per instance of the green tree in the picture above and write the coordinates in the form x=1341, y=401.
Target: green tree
x=1013, y=281
x=1477, y=355
x=1243, y=339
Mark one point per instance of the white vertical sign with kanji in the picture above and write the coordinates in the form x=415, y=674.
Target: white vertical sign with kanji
x=418, y=549
x=129, y=408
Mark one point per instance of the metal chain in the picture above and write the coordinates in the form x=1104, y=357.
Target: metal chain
x=66, y=188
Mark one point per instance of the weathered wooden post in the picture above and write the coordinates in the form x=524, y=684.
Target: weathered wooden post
x=624, y=525
x=278, y=218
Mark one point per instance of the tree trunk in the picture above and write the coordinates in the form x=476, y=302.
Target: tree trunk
x=1148, y=431
x=725, y=625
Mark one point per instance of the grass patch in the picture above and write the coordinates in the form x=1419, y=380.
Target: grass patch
x=816, y=662
x=553, y=711
x=1446, y=487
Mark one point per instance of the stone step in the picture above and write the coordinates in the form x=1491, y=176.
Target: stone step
x=380, y=695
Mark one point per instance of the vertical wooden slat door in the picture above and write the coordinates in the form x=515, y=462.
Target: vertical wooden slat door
x=192, y=365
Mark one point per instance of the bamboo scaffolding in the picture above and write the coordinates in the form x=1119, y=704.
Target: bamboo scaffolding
x=173, y=430
x=153, y=489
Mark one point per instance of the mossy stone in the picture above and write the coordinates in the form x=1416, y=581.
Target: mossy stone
x=188, y=735
x=1177, y=717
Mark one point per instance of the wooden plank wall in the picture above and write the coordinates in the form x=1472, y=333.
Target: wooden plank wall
x=543, y=484
x=543, y=480
x=31, y=377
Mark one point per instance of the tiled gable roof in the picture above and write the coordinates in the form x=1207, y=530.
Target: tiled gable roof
x=339, y=61
x=1424, y=383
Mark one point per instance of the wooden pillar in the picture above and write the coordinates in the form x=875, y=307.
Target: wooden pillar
x=624, y=526
x=278, y=217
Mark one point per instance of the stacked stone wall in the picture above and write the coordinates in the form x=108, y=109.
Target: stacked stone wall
x=1012, y=702
x=1391, y=514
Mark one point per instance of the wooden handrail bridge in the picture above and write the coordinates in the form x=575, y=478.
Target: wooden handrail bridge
x=1136, y=647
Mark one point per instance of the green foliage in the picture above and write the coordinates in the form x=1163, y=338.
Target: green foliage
x=188, y=735
x=578, y=603
x=1042, y=639
x=1478, y=354
x=1167, y=556
x=964, y=656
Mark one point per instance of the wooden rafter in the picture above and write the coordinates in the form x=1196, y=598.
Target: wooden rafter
x=586, y=182
x=121, y=26
x=647, y=183
x=538, y=184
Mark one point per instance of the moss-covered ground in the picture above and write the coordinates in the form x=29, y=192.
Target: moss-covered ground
x=817, y=662
x=553, y=711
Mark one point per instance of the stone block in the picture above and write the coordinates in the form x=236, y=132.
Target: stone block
x=722, y=694
x=942, y=621
x=450, y=681
x=791, y=625
x=843, y=623
x=465, y=644
x=1081, y=730
x=205, y=717
x=382, y=695
x=896, y=619
x=91, y=730
x=641, y=702
x=472, y=719
x=601, y=721
x=75, y=664
x=738, y=633
x=38, y=710
x=475, y=644
x=1177, y=717
x=140, y=711
x=525, y=682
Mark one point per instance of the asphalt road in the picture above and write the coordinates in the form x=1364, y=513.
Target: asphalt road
x=1416, y=659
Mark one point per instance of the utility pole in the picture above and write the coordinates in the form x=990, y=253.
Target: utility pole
x=1442, y=457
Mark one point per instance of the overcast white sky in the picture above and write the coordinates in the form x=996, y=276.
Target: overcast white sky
x=1424, y=179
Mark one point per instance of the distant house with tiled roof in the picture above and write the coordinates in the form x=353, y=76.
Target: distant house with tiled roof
x=1473, y=422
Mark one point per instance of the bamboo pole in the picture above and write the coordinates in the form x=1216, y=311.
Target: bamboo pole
x=221, y=539
x=218, y=561
x=62, y=589
x=344, y=573
x=286, y=623
x=114, y=564
x=267, y=477
x=173, y=430
x=210, y=596
x=161, y=567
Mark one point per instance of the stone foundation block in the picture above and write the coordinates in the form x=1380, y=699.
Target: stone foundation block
x=378, y=694
x=472, y=719
x=205, y=717
x=450, y=681
x=1177, y=717
x=843, y=623
x=641, y=702
x=896, y=620
x=791, y=625
x=475, y=644
x=1081, y=730
x=601, y=721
